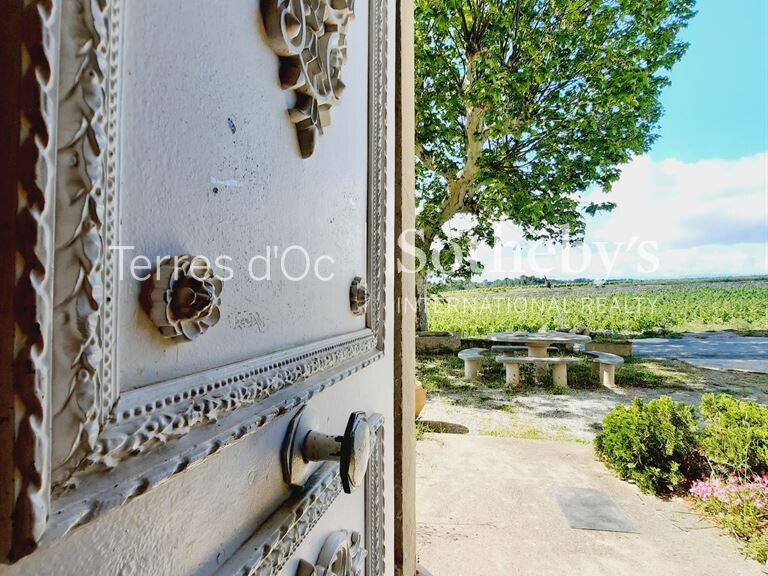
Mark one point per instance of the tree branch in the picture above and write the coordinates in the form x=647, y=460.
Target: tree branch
x=429, y=161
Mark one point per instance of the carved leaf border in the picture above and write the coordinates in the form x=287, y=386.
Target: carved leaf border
x=71, y=67
x=377, y=165
x=108, y=491
x=86, y=215
x=273, y=544
x=375, y=508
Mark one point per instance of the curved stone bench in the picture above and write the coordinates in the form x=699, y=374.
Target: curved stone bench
x=559, y=368
x=605, y=364
x=510, y=349
x=473, y=360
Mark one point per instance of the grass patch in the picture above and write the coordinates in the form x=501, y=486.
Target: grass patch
x=644, y=373
x=529, y=433
x=420, y=430
x=439, y=371
x=438, y=427
x=635, y=372
x=580, y=375
x=558, y=433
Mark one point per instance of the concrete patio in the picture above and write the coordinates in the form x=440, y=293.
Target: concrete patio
x=487, y=507
x=712, y=350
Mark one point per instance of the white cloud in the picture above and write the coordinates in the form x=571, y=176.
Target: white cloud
x=706, y=218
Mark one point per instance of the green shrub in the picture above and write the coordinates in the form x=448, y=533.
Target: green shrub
x=580, y=376
x=735, y=437
x=653, y=444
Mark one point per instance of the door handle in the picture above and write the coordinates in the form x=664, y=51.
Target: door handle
x=304, y=445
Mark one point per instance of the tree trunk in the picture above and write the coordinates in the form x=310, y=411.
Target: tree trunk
x=460, y=187
x=421, y=300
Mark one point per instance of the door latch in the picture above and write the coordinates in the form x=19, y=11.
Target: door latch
x=303, y=445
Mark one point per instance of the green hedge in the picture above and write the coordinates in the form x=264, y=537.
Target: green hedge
x=654, y=444
x=659, y=445
x=735, y=435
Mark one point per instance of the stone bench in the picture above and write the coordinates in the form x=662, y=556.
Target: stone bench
x=509, y=349
x=559, y=368
x=604, y=363
x=473, y=360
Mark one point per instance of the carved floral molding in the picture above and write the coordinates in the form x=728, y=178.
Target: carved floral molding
x=310, y=37
x=342, y=554
x=375, y=506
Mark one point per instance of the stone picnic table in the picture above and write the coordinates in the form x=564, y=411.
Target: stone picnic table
x=538, y=342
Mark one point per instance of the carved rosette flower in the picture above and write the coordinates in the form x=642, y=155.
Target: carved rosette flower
x=184, y=297
x=342, y=554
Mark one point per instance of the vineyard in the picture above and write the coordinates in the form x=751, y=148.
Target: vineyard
x=622, y=309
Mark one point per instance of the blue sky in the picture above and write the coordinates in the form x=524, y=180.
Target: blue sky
x=700, y=195
x=717, y=105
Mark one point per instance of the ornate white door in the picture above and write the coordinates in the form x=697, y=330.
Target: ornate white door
x=202, y=362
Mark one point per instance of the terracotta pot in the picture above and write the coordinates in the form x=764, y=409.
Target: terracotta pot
x=421, y=398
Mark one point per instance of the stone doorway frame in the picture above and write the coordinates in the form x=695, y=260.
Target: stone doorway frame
x=405, y=299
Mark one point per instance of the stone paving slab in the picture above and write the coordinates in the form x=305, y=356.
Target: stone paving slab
x=487, y=507
x=590, y=509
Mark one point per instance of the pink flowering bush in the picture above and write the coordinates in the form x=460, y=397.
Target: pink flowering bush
x=740, y=505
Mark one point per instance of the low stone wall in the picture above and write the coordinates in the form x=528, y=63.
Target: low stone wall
x=438, y=342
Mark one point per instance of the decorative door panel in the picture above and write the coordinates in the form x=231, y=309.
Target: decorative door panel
x=206, y=249
x=220, y=174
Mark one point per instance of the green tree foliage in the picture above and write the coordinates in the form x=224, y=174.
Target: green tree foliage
x=522, y=105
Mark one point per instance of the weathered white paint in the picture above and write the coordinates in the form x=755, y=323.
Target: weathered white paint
x=175, y=126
